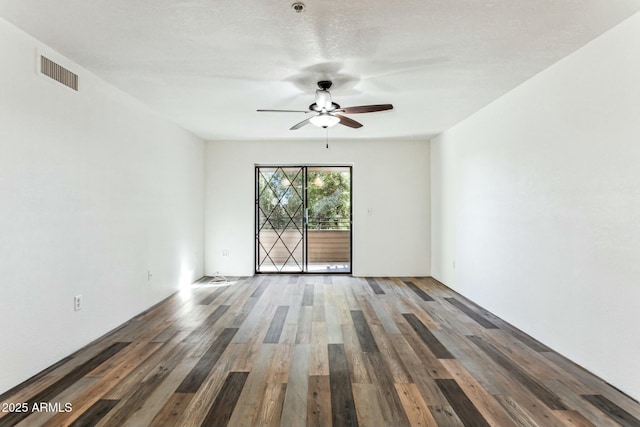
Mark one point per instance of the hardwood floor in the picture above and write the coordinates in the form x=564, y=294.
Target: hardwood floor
x=317, y=351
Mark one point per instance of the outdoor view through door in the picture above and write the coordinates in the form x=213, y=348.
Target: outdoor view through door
x=303, y=219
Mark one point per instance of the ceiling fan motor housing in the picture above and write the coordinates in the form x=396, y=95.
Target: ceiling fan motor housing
x=316, y=107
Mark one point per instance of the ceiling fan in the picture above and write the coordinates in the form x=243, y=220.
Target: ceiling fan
x=327, y=113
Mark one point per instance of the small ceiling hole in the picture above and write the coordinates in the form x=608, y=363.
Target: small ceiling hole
x=298, y=7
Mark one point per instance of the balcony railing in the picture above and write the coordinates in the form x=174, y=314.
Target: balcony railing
x=329, y=224
x=323, y=246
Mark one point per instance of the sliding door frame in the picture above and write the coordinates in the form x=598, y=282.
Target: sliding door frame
x=305, y=258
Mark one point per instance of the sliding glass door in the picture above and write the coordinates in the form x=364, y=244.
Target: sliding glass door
x=303, y=219
x=328, y=206
x=280, y=219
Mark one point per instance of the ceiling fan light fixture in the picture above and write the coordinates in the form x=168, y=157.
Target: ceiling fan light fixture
x=324, y=120
x=326, y=113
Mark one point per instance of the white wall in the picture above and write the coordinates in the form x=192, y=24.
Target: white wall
x=391, y=178
x=94, y=191
x=537, y=200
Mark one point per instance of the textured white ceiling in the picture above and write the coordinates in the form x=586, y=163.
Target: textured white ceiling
x=208, y=65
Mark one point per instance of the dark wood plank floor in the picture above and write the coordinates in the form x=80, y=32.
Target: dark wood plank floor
x=317, y=351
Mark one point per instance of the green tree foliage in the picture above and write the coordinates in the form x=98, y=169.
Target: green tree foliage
x=281, y=190
x=329, y=200
x=280, y=194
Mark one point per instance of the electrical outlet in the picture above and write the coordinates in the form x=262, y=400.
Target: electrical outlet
x=225, y=252
x=77, y=302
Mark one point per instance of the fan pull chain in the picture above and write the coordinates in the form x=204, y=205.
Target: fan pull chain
x=327, y=138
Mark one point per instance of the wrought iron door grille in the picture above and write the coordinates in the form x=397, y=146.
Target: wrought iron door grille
x=280, y=227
